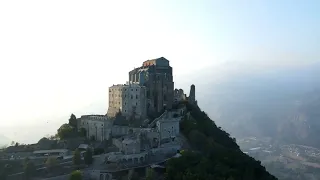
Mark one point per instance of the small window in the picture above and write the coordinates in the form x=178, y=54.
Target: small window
x=136, y=89
x=136, y=103
x=131, y=97
x=125, y=110
x=131, y=89
x=136, y=96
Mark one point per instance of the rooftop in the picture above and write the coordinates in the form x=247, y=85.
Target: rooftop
x=94, y=115
x=158, y=62
x=51, y=151
x=125, y=85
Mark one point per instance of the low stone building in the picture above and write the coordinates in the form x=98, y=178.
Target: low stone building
x=98, y=127
x=168, y=125
x=127, y=145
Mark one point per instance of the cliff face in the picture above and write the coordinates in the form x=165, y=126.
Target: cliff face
x=214, y=155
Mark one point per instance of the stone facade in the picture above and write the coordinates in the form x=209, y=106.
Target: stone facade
x=129, y=99
x=97, y=126
x=156, y=76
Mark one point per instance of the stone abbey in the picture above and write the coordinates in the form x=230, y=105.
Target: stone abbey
x=149, y=90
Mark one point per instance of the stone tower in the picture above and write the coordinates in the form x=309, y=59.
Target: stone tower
x=192, y=95
x=156, y=76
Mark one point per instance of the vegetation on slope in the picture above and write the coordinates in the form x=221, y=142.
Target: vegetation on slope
x=216, y=156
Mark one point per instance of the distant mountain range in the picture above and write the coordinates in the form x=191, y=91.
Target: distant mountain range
x=283, y=104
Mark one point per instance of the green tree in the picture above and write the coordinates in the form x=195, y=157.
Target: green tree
x=83, y=132
x=65, y=131
x=76, y=175
x=51, y=163
x=73, y=121
x=135, y=176
x=29, y=169
x=4, y=171
x=76, y=157
x=150, y=174
x=92, y=138
x=88, y=159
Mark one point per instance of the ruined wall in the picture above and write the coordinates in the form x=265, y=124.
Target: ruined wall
x=192, y=95
x=179, y=95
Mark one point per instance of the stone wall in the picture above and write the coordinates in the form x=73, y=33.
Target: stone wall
x=97, y=126
x=171, y=149
x=123, y=130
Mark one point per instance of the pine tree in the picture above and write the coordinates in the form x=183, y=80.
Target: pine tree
x=76, y=158
x=88, y=159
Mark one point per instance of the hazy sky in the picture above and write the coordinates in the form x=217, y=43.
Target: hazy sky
x=59, y=57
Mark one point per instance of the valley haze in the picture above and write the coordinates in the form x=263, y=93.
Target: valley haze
x=227, y=91
x=60, y=57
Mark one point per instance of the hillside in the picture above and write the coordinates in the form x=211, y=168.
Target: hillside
x=303, y=126
x=215, y=154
